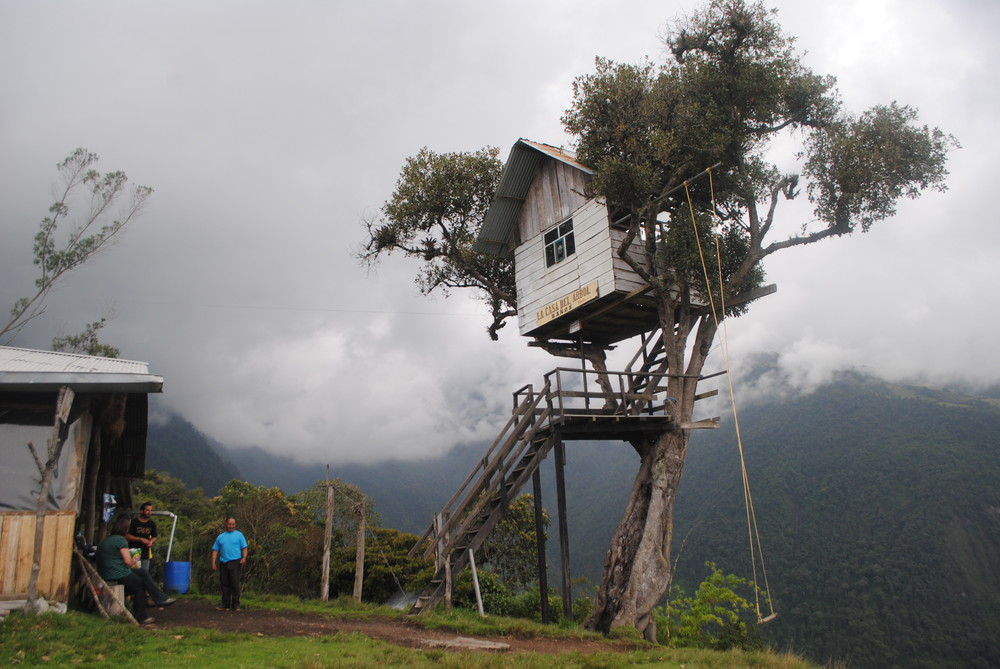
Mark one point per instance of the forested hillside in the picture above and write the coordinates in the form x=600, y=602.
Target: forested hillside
x=175, y=446
x=878, y=507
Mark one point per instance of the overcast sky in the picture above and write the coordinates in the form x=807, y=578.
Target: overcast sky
x=269, y=129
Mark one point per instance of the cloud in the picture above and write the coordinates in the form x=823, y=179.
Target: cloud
x=268, y=131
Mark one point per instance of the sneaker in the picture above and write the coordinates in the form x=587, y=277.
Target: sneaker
x=237, y=610
x=221, y=608
x=147, y=621
x=167, y=602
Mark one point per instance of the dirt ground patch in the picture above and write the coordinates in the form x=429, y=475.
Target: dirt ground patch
x=278, y=623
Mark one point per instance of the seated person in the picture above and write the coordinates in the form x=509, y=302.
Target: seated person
x=116, y=565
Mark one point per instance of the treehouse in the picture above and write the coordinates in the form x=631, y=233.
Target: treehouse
x=570, y=279
x=572, y=285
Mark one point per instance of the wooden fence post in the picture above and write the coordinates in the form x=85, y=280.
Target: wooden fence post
x=324, y=584
x=359, y=560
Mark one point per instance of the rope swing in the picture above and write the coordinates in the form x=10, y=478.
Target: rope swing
x=756, y=551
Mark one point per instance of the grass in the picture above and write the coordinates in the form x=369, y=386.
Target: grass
x=76, y=638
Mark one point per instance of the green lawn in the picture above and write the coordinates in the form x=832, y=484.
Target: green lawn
x=75, y=638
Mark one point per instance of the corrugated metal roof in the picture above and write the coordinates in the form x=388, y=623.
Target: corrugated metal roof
x=501, y=219
x=22, y=369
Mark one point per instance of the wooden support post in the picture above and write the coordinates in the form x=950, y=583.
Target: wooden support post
x=359, y=560
x=438, y=543
x=324, y=583
x=106, y=605
x=46, y=469
x=543, y=577
x=475, y=584
x=441, y=559
x=567, y=594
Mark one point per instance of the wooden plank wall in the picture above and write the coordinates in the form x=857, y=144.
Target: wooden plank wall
x=596, y=259
x=17, y=545
x=556, y=191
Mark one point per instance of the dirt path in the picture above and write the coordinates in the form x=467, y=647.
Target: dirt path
x=267, y=622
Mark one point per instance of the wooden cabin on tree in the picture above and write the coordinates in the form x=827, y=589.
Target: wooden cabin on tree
x=571, y=282
x=97, y=408
x=572, y=288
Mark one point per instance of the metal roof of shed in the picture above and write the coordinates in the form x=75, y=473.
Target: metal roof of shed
x=28, y=369
x=501, y=219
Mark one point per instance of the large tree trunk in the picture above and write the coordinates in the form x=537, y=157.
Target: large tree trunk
x=637, y=566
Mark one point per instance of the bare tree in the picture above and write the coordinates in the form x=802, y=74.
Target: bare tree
x=109, y=206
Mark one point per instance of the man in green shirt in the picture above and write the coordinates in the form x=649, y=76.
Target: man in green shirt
x=116, y=565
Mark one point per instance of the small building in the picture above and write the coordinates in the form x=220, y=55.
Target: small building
x=103, y=451
x=570, y=280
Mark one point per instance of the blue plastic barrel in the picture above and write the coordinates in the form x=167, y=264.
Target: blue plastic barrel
x=176, y=576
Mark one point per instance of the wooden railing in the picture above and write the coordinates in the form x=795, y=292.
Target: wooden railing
x=573, y=393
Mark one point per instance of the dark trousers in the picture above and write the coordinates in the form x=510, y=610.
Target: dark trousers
x=138, y=584
x=229, y=576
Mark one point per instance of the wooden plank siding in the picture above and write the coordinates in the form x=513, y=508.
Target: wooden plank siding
x=596, y=259
x=556, y=191
x=17, y=545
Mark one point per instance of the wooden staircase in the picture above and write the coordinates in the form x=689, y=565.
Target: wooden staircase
x=482, y=499
x=564, y=408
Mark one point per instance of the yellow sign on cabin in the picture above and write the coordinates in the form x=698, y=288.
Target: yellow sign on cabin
x=564, y=305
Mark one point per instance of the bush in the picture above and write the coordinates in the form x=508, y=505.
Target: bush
x=715, y=618
x=497, y=598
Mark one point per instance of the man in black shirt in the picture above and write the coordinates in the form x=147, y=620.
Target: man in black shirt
x=142, y=533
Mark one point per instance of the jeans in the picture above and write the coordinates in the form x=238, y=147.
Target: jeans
x=138, y=584
x=229, y=577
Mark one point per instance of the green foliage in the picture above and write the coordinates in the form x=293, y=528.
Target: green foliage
x=511, y=549
x=860, y=167
x=190, y=506
x=528, y=604
x=716, y=617
x=285, y=546
x=434, y=215
x=699, y=257
x=346, y=499
x=733, y=87
x=56, y=254
x=71, y=639
x=178, y=448
x=877, y=505
x=86, y=342
x=388, y=570
x=498, y=600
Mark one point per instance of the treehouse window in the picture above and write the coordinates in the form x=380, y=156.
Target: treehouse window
x=559, y=243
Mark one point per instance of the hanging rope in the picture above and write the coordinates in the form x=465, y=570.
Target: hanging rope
x=756, y=550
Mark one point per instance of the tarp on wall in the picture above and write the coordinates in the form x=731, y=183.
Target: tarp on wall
x=20, y=479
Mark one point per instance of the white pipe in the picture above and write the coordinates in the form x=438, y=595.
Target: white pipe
x=173, y=527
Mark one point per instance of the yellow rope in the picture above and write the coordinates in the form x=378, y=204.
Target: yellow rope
x=752, y=530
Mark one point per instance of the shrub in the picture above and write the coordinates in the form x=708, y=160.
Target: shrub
x=715, y=618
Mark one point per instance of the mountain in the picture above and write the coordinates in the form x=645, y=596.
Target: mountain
x=878, y=507
x=879, y=511
x=176, y=447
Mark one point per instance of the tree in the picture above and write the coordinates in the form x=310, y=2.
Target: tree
x=716, y=617
x=285, y=545
x=346, y=497
x=109, y=198
x=193, y=510
x=434, y=215
x=511, y=549
x=735, y=84
x=387, y=568
x=86, y=342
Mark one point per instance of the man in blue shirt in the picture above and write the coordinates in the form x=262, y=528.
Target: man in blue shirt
x=229, y=554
